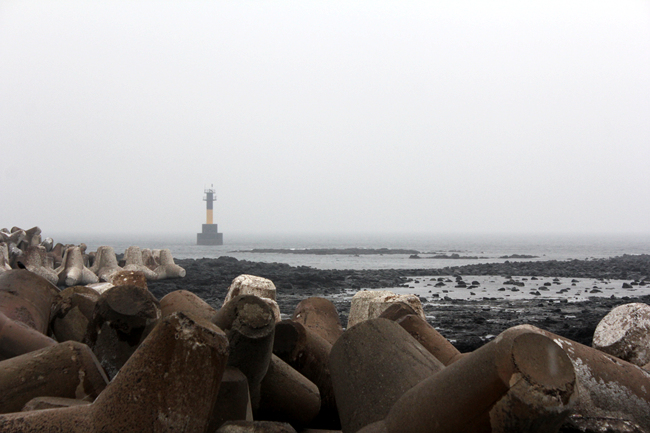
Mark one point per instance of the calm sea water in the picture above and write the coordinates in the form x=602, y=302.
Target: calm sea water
x=489, y=247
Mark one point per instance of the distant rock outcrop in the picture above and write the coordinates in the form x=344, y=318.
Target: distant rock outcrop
x=330, y=251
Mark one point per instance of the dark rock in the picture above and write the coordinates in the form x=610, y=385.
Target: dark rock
x=331, y=251
x=210, y=278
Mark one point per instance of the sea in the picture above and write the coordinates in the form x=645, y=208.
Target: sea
x=469, y=248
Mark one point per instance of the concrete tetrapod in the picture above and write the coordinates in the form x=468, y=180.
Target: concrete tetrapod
x=14, y=256
x=428, y=337
x=169, y=385
x=148, y=259
x=36, y=260
x=105, y=263
x=288, y=396
x=133, y=262
x=256, y=427
x=519, y=382
x=369, y=304
x=309, y=354
x=250, y=326
x=73, y=271
x=233, y=401
x=121, y=278
x=48, y=244
x=167, y=267
x=63, y=370
x=129, y=278
x=372, y=364
x=4, y=258
x=13, y=237
x=72, y=310
x=26, y=297
x=16, y=338
x=405, y=316
x=39, y=403
x=397, y=310
x=317, y=430
x=57, y=253
x=319, y=315
x=251, y=285
x=122, y=318
x=613, y=393
x=32, y=236
x=625, y=333
x=182, y=300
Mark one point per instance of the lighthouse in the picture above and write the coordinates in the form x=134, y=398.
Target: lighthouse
x=209, y=234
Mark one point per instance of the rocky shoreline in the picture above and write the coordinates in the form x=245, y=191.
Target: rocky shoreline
x=468, y=324
x=331, y=251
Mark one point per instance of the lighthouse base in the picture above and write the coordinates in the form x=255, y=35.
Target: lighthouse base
x=209, y=235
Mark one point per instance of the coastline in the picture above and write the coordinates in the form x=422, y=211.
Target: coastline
x=467, y=323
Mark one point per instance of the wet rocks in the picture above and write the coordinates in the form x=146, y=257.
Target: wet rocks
x=622, y=267
x=210, y=279
x=329, y=251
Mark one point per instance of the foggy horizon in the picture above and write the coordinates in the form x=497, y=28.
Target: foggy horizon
x=319, y=118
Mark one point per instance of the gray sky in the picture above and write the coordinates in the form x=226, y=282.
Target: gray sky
x=326, y=116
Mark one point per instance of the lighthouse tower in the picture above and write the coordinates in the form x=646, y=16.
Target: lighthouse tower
x=209, y=234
